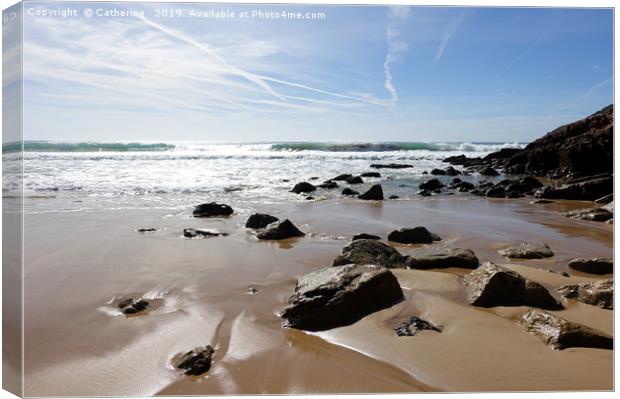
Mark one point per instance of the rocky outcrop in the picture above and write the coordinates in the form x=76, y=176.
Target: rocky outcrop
x=413, y=235
x=592, y=265
x=371, y=252
x=259, y=221
x=492, y=285
x=371, y=174
x=355, y=180
x=193, y=233
x=328, y=185
x=375, y=193
x=212, y=209
x=339, y=296
x=431, y=184
x=195, y=362
x=589, y=188
x=348, y=191
x=303, y=187
x=527, y=250
x=593, y=214
x=280, y=231
x=342, y=177
x=413, y=326
x=366, y=236
x=597, y=293
x=390, y=166
x=560, y=333
x=132, y=306
x=442, y=257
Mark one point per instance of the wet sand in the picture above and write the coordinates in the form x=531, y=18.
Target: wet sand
x=80, y=264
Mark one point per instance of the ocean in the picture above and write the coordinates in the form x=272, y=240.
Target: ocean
x=91, y=176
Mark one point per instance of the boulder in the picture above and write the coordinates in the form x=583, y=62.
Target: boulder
x=131, y=306
x=212, y=209
x=592, y=265
x=413, y=326
x=195, y=362
x=438, y=172
x=442, y=257
x=592, y=214
x=424, y=193
x=390, y=166
x=392, y=197
x=342, y=177
x=193, y=233
x=365, y=236
x=260, y=221
x=328, y=185
x=303, y=187
x=339, y=296
x=432, y=184
x=527, y=250
x=371, y=174
x=413, y=235
x=598, y=293
x=450, y=171
x=355, y=180
x=374, y=193
x=560, y=333
x=488, y=171
x=492, y=285
x=456, y=159
x=280, y=231
x=589, y=189
x=348, y=191
x=371, y=252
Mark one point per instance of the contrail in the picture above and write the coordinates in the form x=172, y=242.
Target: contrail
x=394, y=48
x=447, y=37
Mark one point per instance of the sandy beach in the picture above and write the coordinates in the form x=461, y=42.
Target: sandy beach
x=82, y=263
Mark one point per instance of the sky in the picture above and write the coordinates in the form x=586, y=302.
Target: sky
x=362, y=73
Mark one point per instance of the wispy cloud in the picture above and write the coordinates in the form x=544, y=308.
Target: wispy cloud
x=396, y=46
x=597, y=86
x=448, y=35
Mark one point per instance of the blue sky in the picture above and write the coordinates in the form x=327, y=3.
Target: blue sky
x=368, y=73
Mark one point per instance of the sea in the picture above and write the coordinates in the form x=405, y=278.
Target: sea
x=92, y=176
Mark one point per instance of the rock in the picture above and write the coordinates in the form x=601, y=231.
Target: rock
x=504, y=153
x=371, y=252
x=488, y=171
x=147, y=230
x=542, y=201
x=328, y=185
x=132, y=306
x=393, y=197
x=413, y=326
x=592, y=265
x=390, y=166
x=431, y=184
x=374, y=193
x=192, y=233
x=527, y=250
x=280, y=231
x=593, y=214
x=339, y=296
x=365, y=236
x=371, y=174
x=212, y=209
x=497, y=191
x=342, y=177
x=303, y=187
x=348, y=191
x=309, y=198
x=438, y=172
x=581, y=148
x=560, y=333
x=434, y=258
x=260, y=221
x=413, y=235
x=195, y=362
x=582, y=189
x=355, y=180
x=456, y=160
x=437, y=191
x=424, y=193
x=606, y=199
x=313, y=178
x=597, y=293
x=492, y=285
x=450, y=171
x=425, y=173
x=252, y=291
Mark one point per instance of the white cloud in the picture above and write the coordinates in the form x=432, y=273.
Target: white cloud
x=395, y=47
x=448, y=35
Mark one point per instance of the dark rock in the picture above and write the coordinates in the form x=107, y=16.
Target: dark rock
x=303, y=187
x=592, y=265
x=450, y=171
x=456, y=160
x=252, y=291
x=355, y=180
x=497, y=191
x=339, y=296
x=342, y=177
x=371, y=174
x=413, y=235
x=195, y=362
x=147, y=230
x=390, y=166
x=314, y=178
x=424, y=193
x=328, y=185
x=560, y=333
x=425, y=172
x=393, y=197
x=438, y=172
x=593, y=214
x=492, y=285
x=371, y=252
x=348, y=191
x=597, y=293
x=280, y=231
x=431, y=184
x=192, y=233
x=527, y=250
x=260, y=221
x=374, y=193
x=212, y=209
x=413, y=326
x=309, y=198
x=582, y=189
x=504, y=153
x=437, y=191
x=488, y=171
x=606, y=199
x=435, y=257
x=132, y=306
x=365, y=236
